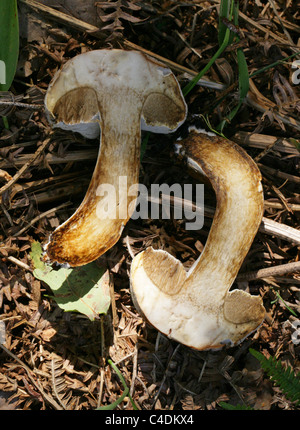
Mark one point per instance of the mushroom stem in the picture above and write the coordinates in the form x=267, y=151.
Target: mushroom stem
x=107, y=198
x=236, y=181
x=117, y=92
x=196, y=307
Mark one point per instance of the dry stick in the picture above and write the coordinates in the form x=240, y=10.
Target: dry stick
x=39, y=217
x=281, y=23
x=276, y=205
x=19, y=263
x=270, y=271
x=282, y=231
x=287, y=24
x=265, y=30
x=54, y=194
x=279, y=174
x=60, y=16
x=262, y=141
x=267, y=226
x=25, y=166
x=258, y=101
x=52, y=158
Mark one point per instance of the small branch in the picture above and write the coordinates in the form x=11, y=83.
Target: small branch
x=282, y=231
x=265, y=30
x=282, y=175
x=281, y=23
x=39, y=217
x=267, y=225
x=263, y=141
x=270, y=271
x=19, y=263
x=51, y=159
x=25, y=167
x=61, y=17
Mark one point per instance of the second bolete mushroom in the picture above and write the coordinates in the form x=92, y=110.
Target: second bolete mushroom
x=195, y=307
x=116, y=91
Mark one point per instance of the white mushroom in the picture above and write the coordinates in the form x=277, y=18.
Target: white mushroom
x=115, y=91
x=196, y=307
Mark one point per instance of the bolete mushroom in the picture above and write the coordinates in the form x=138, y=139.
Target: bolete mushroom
x=195, y=307
x=118, y=92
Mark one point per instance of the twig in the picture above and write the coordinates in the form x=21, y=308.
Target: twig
x=282, y=175
x=58, y=192
x=265, y=30
x=90, y=154
x=263, y=141
x=19, y=263
x=270, y=271
x=267, y=226
x=61, y=17
x=255, y=99
x=113, y=303
x=99, y=401
x=39, y=217
x=282, y=231
x=25, y=166
x=281, y=23
x=291, y=207
x=22, y=105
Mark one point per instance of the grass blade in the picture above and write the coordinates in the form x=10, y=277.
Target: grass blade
x=225, y=12
x=243, y=76
x=123, y=395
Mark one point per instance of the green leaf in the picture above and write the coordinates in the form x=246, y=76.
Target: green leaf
x=9, y=42
x=285, y=379
x=224, y=39
x=243, y=77
x=194, y=81
x=238, y=407
x=225, y=12
x=243, y=88
x=83, y=289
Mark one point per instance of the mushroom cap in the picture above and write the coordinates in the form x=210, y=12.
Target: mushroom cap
x=74, y=97
x=196, y=307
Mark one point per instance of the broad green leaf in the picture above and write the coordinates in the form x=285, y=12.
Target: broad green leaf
x=9, y=42
x=83, y=289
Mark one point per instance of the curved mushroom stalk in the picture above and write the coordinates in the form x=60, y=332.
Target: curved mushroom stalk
x=196, y=307
x=115, y=91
